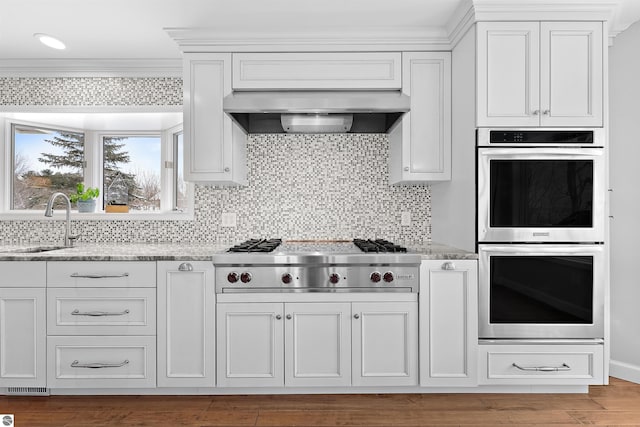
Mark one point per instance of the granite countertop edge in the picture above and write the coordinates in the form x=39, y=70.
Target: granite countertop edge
x=175, y=252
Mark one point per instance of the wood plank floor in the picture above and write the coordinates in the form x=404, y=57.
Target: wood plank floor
x=616, y=404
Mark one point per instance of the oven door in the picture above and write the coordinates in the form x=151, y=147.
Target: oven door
x=541, y=291
x=540, y=195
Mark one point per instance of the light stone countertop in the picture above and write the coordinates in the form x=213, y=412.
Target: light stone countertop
x=171, y=252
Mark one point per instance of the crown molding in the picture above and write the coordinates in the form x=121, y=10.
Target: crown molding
x=90, y=67
x=193, y=40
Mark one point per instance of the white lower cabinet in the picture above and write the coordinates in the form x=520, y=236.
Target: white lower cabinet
x=385, y=343
x=101, y=324
x=298, y=344
x=552, y=364
x=186, y=324
x=448, y=323
x=101, y=361
x=22, y=337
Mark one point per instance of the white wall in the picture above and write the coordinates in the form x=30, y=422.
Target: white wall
x=624, y=78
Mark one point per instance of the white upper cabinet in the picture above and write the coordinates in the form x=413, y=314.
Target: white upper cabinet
x=344, y=70
x=420, y=144
x=214, y=146
x=540, y=74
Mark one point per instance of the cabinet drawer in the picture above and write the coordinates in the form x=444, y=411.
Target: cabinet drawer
x=109, y=311
x=345, y=70
x=23, y=274
x=100, y=362
x=541, y=364
x=101, y=274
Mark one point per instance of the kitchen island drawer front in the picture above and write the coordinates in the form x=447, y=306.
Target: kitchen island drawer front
x=101, y=362
x=541, y=364
x=115, y=311
x=101, y=274
x=23, y=274
x=344, y=70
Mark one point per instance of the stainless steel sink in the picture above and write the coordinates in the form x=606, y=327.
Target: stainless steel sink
x=32, y=249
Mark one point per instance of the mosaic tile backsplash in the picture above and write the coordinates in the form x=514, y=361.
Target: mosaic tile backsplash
x=329, y=186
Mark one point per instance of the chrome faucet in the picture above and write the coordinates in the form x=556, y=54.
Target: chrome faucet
x=68, y=238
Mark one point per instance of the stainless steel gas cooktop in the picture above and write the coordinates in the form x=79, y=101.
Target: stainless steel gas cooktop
x=273, y=265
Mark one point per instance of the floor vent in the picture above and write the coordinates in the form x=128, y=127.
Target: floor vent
x=27, y=391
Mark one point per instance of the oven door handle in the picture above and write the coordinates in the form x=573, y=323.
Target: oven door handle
x=564, y=367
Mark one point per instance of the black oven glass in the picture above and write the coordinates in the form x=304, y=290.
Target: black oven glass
x=541, y=193
x=541, y=289
x=541, y=137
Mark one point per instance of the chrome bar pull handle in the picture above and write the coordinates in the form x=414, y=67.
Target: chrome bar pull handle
x=563, y=367
x=77, y=312
x=185, y=266
x=99, y=276
x=76, y=364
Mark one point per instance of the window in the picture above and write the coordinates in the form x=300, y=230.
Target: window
x=54, y=155
x=134, y=163
x=44, y=161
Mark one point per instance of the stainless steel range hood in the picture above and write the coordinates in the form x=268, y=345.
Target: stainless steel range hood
x=316, y=111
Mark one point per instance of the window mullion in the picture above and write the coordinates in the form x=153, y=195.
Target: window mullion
x=93, y=161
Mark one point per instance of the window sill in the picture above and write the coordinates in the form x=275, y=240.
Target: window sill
x=99, y=216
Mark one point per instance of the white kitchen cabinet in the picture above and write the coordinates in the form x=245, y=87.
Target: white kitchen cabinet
x=540, y=74
x=420, y=144
x=102, y=324
x=23, y=336
x=186, y=324
x=317, y=70
x=214, y=146
x=317, y=344
x=522, y=363
x=448, y=323
x=250, y=345
x=385, y=343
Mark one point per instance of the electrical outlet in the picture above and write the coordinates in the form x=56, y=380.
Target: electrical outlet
x=229, y=219
x=405, y=219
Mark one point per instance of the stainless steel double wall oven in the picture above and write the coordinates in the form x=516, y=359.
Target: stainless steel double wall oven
x=540, y=213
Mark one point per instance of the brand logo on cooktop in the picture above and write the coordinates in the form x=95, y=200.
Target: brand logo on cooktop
x=405, y=276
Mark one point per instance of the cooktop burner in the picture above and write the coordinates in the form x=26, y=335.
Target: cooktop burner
x=256, y=245
x=378, y=245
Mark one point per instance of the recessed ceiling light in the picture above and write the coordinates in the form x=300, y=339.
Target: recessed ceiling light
x=47, y=40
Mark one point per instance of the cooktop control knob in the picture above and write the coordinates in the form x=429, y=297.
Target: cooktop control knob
x=334, y=278
x=287, y=278
x=232, y=277
x=245, y=277
x=388, y=277
x=375, y=277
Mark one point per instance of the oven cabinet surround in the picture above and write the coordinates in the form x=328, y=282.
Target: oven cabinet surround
x=186, y=324
x=23, y=324
x=214, y=146
x=449, y=323
x=342, y=341
x=420, y=143
x=101, y=324
x=540, y=74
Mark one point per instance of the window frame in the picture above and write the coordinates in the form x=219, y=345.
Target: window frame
x=92, y=173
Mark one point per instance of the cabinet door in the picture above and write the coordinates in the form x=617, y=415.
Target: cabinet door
x=508, y=74
x=421, y=141
x=385, y=344
x=214, y=146
x=186, y=324
x=571, y=84
x=22, y=337
x=318, y=344
x=448, y=323
x=250, y=345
